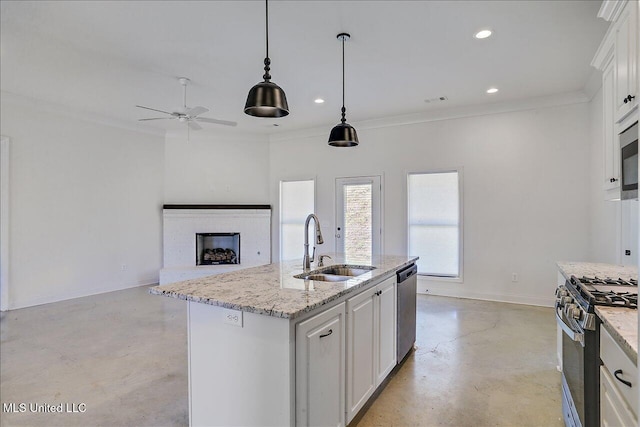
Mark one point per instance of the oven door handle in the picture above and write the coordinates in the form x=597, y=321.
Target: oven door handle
x=568, y=329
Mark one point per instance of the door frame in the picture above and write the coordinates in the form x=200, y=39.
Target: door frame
x=4, y=223
x=363, y=179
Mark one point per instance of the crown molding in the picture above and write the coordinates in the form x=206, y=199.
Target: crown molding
x=610, y=9
x=76, y=114
x=578, y=97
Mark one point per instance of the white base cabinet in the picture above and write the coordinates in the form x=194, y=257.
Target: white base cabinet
x=320, y=357
x=371, y=342
x=618, y=384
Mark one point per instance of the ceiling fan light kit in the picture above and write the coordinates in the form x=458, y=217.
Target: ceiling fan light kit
x=343, y=134
x=267, y=99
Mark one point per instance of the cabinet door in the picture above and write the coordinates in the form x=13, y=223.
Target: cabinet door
x=387, y=321
x=361, y=350
x=614, y=412
x=320, y=381
x=626, y=39
x=610, y=144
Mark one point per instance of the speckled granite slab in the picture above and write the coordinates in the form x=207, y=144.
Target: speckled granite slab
x=622, y=324
x=272, y=290
x=601, y=270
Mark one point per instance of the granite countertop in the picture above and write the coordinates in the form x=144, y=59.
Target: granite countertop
x=622, y=323
x=272, y=290
x=602, y=270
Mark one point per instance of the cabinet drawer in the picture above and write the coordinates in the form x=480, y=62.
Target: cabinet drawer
x=614, y=411
x=620, y=367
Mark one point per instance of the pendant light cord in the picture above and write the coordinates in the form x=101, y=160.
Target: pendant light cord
x=267, y=61
x=344, y=110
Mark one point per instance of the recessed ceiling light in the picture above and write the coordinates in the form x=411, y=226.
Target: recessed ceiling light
x=483, y=34
x=492, y=90
x=319, y=101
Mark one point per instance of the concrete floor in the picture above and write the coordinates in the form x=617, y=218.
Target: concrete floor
x=123, y=355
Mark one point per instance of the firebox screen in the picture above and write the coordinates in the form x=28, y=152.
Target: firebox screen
x=217, y=248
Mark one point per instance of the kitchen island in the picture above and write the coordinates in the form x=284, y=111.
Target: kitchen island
x=267, y=348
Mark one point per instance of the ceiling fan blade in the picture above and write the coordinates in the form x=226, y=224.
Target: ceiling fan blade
x=156, y=118
x=193, y=125
x=216, y=121
x=196, y=111
x=153, y=109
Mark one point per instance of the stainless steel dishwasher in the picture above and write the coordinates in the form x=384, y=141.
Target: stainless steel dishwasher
x=406, y=308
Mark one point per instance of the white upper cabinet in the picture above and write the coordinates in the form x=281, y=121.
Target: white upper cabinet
x=626, y=39
x=617, y=58
x=611, y=150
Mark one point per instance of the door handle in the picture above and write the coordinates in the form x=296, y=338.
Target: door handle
x=327, y=334
x=625, y=382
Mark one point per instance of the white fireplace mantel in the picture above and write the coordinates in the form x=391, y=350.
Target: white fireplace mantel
x=182, y=222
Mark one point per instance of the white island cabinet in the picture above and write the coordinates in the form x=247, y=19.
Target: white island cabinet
x=371, y=342
x=320, y=356
x=269, y=349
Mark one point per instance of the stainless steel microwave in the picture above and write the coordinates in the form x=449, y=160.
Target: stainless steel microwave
x=629, y=159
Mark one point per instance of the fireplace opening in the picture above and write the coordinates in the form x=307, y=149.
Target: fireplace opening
x=217, y=248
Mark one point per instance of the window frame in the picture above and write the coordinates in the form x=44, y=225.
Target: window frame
x=459, y=170
x=315, y=203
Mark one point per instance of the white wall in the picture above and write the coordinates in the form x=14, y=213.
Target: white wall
x=216, y=168
x=86, y=198
x=526, y=191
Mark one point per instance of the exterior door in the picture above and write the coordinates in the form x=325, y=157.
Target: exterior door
x=358, y=217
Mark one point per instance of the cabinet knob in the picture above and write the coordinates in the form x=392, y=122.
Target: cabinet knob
x=613, y=179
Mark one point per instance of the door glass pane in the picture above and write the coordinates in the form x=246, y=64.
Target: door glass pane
x=358, y=220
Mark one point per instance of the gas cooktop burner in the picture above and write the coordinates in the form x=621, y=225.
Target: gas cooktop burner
x=615, y=299
x=608, y=281
x=606, y=292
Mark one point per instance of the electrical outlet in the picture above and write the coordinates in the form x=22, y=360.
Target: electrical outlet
x=123, y=267
x=514, y=277
x=232, y=317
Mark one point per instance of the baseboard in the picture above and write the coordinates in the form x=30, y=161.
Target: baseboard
x=511, y=299
x=16, y=305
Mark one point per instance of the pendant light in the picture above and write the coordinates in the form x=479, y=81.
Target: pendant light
x=343, y=134
x=266, y=99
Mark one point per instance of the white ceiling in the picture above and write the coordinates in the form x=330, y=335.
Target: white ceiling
x=104, y=57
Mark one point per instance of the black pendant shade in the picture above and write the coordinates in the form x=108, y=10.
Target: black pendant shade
x=266, y=99
x=343, y=134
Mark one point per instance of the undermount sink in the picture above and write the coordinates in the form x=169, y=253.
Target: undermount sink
x=323, y=277
x=345, y=270
x=335, y=273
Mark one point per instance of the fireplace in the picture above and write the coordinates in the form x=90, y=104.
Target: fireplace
x=217, y=248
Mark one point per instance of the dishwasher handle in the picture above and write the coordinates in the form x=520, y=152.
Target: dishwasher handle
x=407, y=272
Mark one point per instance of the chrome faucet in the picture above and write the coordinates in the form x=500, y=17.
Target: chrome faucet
x=306, y=261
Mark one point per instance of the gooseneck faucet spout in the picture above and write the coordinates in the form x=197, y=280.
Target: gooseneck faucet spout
x=306, y=261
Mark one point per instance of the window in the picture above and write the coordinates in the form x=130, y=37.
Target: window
x=435, y=225
x=297, y=200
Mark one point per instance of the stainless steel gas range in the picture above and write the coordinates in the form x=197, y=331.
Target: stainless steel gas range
x=575, y=314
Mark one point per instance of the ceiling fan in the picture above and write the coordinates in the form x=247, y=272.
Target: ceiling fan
x=186, y=114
